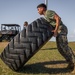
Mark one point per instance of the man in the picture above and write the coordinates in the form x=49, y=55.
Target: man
x=60, y=32
x=25, y=24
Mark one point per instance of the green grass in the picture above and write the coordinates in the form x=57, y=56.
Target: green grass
x=47, y=61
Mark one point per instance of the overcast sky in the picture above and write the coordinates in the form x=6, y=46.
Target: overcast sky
x=18, y=11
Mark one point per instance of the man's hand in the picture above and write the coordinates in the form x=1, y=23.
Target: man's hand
x=55, y=33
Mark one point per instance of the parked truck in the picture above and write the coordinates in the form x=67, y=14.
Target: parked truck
x=8, y=31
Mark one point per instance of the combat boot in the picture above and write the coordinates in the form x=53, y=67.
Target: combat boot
x=71, y=67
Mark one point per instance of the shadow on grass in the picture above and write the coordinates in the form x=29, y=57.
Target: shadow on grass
x=38, y=68
x=48, y=48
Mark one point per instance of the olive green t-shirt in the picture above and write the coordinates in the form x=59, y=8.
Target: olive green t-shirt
x=49, y=16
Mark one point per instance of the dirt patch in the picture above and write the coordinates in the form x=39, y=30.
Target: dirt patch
x=3, y=44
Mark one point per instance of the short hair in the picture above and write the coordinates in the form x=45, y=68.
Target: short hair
x=42, y=5
x=26, y=22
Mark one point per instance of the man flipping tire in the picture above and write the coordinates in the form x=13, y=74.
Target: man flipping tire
x=60, y=32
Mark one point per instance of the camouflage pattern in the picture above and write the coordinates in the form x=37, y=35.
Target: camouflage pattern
x=62, y=45
x=49, y=17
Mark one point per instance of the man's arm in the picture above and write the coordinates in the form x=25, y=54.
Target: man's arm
x=57, y=18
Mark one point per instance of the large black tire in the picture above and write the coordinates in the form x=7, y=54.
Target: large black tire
x=0, y=38
x=26, y=43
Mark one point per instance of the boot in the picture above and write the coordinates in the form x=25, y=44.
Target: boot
x=71, y=67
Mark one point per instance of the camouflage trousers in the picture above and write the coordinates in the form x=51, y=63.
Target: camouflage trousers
x=62, y=45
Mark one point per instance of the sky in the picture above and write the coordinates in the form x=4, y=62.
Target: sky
x=19, y=11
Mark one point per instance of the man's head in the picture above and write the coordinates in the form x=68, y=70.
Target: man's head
x=41, y=8
x=25, y=23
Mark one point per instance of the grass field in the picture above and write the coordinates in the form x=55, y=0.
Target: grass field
x=47, y=61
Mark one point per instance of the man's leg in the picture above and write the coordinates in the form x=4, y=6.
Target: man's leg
x=65, y=50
